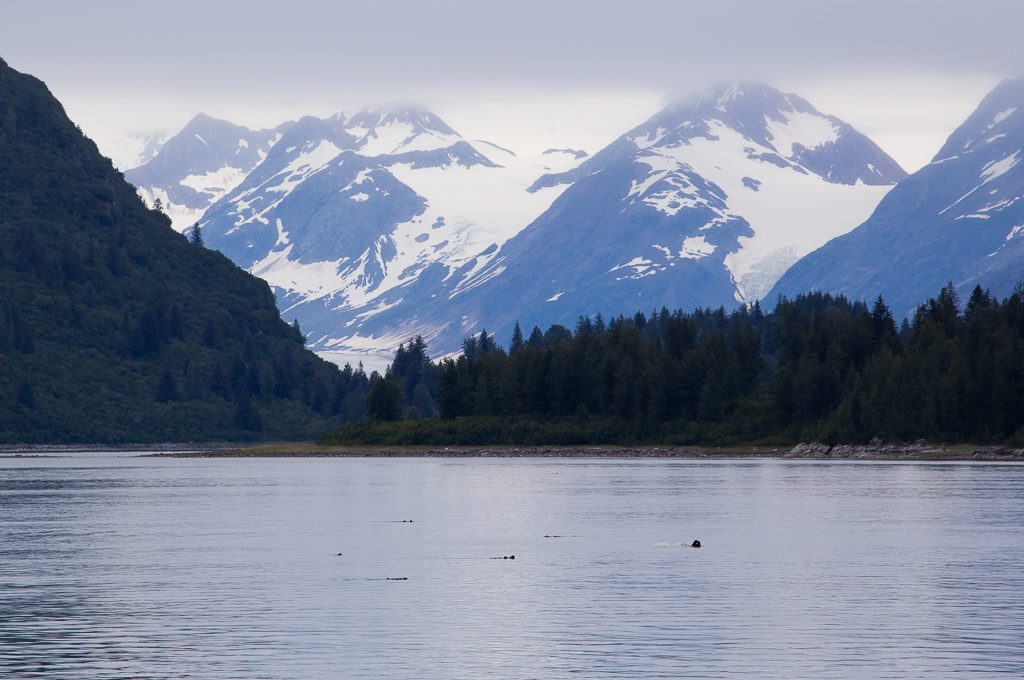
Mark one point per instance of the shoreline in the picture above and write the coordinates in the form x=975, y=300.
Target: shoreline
x=869, y=452
x=167, y=448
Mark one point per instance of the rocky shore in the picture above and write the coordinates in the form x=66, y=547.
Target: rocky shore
x=877, y=450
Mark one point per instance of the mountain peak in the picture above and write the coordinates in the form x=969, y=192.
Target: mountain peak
x=998, y=120
x=202, y=162
x=1011, y=89
x=203, y=122
x=201, y=118
x=781, y=128
x=739, y=101
x=728, y=96
x=416, y=117
x=392, y=131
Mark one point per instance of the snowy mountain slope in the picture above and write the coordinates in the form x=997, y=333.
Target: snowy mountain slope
x=361, y=214
x=131, y=151
x=705, y=204
x=197, y=166
x=376, y=225
x=959, y=219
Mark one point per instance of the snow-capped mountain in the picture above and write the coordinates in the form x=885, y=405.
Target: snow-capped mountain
x=127, y=152
x=359, y=214
x=705, y=204
x=197, y=166
x=377, y=225
x=959, y=219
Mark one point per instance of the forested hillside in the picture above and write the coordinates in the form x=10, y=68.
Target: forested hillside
x=114, y=328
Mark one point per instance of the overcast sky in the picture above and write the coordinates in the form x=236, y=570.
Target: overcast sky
x=526, y=74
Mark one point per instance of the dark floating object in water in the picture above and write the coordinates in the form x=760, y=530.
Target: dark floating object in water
x=695, y=544
x=399, y=578
x=339, y=554
x=551, y=536
x=406, y=521
x=504, y=557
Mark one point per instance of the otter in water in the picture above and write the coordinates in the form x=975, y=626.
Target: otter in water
x=695, y=544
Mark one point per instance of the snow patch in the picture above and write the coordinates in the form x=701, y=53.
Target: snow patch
x=302, y=166
x=182, y=217
x=395, y=137
x=471, y=208
x=216, y=183
x=650, y=140
x=997, y=169
x=1001, y=116
x=641, y=267
x=311, y=281
x=808, y=130
x=696, y=248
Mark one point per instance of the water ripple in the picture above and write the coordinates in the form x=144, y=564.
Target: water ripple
x=134, y=567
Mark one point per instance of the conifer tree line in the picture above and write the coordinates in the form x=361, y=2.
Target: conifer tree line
x=817, y=367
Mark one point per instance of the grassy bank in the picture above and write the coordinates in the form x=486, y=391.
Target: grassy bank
x=552, y=431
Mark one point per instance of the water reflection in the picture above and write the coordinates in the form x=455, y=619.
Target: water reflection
x=120, y=567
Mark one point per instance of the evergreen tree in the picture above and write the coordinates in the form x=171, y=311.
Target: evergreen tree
x=486, y=343
x=517, y=339
x=536, y=338
x=883, y=325
x=385, y=400
x=449, y=391
x=195, y=236
x=979, y=299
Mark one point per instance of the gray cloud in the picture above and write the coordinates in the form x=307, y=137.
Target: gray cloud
x=130, y=62
x=233, y=47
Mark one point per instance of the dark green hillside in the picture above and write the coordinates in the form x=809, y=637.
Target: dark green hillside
x=113, y=327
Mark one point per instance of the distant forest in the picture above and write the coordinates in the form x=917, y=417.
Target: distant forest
x=817, y=367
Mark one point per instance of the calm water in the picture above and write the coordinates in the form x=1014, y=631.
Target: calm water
x=123, y=567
